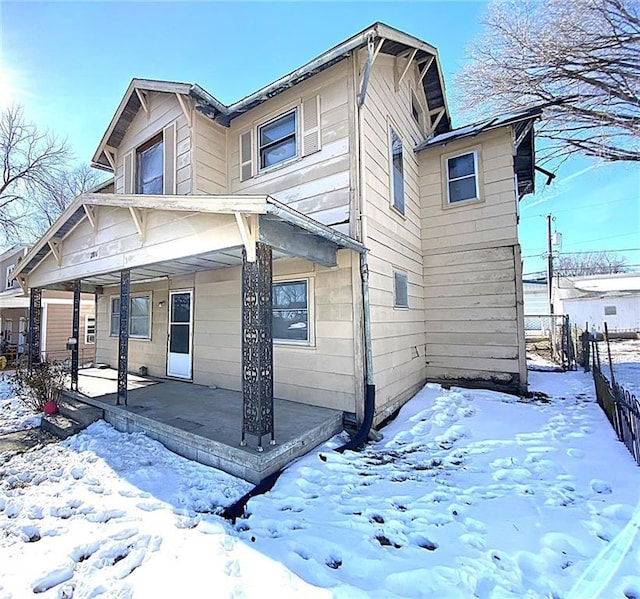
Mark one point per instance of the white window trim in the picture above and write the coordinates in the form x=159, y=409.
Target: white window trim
x=403, y=213
x=476, y=167
x=148, y=294
x=298, y=155
x=8, y=283
x=403, y=273
x=311, y=340
x=88, y=341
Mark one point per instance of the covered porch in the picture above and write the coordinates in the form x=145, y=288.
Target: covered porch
x=201, y=423
x=112, y=241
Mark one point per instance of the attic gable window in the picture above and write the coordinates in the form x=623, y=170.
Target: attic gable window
x=277, y=140
x=462, y=178
x=10, y=282
x=149, y=166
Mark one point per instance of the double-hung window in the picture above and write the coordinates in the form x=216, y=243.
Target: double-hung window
x=462, y=178
x=9, y=282
x=291, y=311
x=397, y=171
x=277, y=140
x=139, y=317
x=149, y=166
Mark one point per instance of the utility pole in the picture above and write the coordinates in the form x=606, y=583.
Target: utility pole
x=549, y=263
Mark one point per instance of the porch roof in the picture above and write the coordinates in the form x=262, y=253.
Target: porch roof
x=259, y=218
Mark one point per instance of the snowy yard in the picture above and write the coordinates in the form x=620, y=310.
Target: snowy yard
x=625, y=355
x=470, y=494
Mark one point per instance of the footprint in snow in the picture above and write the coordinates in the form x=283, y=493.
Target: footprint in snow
x=600, y=486
x=54, y=577
x=151, y=506
x=574, y=452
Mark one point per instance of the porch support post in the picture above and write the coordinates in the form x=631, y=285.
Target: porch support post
x=35, y=326
x=257, y=346
x=123, y=337
x=75, y=333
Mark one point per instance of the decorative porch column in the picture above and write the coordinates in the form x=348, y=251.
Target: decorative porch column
x=257, y=346
x=75, y=333
x=123, y=335
x=35, y=326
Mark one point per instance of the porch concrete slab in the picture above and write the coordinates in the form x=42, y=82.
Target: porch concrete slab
x=205, y=424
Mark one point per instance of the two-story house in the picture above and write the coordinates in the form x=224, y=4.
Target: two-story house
x=327, y=240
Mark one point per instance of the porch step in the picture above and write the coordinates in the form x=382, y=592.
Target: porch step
x=80, y=412
x=60, y=426
x=72, y=417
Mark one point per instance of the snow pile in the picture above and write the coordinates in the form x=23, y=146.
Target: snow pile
x=14, y=415
x=470, y=494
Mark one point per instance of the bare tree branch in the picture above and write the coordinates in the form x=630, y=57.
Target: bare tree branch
x=586, y=52
x=591, y=263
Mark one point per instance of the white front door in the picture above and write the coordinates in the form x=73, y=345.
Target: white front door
x=180, y=351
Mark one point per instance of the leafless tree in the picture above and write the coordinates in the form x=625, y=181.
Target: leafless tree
x=582, y=55
x=30, y=161
x=591, y=263
x=64, y=187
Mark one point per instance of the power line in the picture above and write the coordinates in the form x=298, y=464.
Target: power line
x=571, y=209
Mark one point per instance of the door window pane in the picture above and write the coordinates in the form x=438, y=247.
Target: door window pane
x=179, y=343
x=181, y=307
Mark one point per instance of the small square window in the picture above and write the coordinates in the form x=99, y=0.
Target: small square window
x=291, y=311
x=397, y=171
x=400, y=290
x=149, y=167
x=610, y=311
x=277, y=140
x=462, y=180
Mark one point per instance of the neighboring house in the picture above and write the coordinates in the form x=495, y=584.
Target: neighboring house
x=614, y=299
x=393, y=237
x=57, y=310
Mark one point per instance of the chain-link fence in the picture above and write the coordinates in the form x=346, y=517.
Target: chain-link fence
x=549, y=336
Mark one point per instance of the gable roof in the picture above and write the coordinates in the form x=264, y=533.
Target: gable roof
x=521, y=122
x=394, y=42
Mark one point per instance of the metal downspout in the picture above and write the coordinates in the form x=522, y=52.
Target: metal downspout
x=362, y=435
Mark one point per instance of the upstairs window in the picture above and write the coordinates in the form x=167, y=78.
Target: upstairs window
x=462, y=178
x=610, y=311
x=9, y=281
x=397, y=171
x=291, y=311
x=149, y=167
x=277, y=140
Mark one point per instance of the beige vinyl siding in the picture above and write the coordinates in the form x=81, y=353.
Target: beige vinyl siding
x=472, y=315
x=472, y=270
x=59, y=327
x=492, y=220
x=398, y=334
x=152, y=352
x=164, y=109
x=210, y=156
x=317, y=184
x=320, y=374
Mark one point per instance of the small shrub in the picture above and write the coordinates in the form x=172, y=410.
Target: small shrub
x=44, y=383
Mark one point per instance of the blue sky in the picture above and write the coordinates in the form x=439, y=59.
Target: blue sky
x=69, y=63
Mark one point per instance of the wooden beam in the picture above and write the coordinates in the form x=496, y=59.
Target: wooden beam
x=185, y=109
x=522, y=135
x=441, y=112
x=111, y=159
x=296, y=242
x=406, y=68
x=248, y=232
x=139, y=217
x=55, y=244
x=423, y=72
x=143, y=100
x=92, y=217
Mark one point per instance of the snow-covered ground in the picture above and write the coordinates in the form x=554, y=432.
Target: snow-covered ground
x=625, y=355
x=469, y=494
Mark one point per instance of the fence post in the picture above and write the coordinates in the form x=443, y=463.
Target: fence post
x=606, y=338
